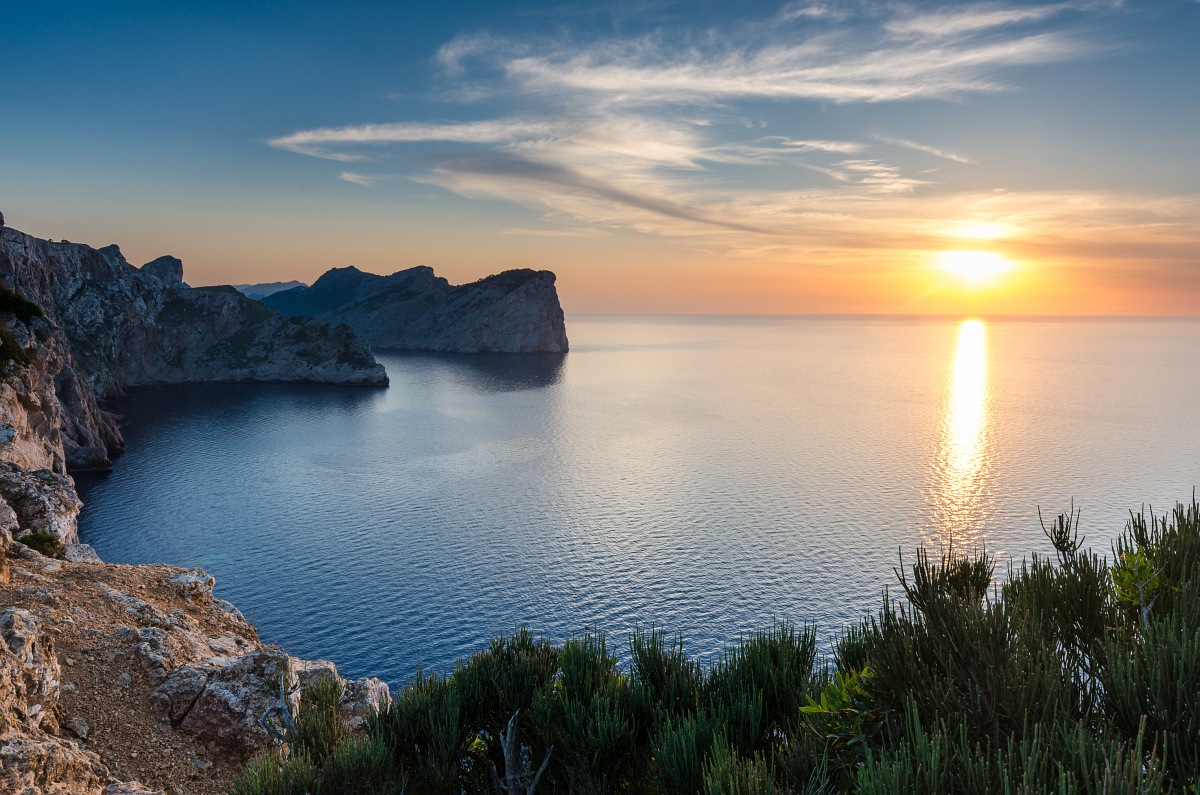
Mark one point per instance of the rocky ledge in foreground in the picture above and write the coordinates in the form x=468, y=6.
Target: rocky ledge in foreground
x=515, y=311
x=102, y=325
x=132, y=680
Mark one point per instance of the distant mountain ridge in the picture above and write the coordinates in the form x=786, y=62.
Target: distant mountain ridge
x=516, y=311
x=261, y=291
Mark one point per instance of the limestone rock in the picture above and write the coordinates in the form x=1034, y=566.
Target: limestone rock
x=153, y=649
x=512, y=312
x=178, y=693
x=31, y=414
x=220, y=700
x=362, y=698
x=48, y=765
x=29, y=674
x=78, y=726
x=225, y=714
x=43, y=501
x=82, y=553
x=9, y=523
x=195, y=585
x=166, y=270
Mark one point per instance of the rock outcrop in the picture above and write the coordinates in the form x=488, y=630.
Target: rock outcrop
x=40, y=502
x=113, y=675
x=512, y=312
x=108, y=325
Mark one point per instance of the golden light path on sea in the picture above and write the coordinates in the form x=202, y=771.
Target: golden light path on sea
x=962, y=455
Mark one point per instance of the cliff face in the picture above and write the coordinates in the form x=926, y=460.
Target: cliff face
x=31, y=413
x=112, y=325
x=129, y=680
x=512, y=312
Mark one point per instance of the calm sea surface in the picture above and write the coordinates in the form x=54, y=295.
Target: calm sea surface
x=701, y=474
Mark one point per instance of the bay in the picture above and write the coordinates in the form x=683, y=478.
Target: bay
x=706, y=475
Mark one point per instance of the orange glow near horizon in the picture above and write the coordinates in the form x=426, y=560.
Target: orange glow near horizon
x=947, y=264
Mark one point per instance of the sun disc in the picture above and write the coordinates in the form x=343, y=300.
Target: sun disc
x=974, y=266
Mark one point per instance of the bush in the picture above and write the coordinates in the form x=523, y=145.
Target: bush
x=10, y=349
x=44, y=543
x=24, y=309
x=1077, y=675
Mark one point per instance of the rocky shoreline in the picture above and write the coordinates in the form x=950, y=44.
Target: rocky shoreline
x=128, y=679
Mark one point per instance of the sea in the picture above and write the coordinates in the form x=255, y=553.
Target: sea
x=703, y=475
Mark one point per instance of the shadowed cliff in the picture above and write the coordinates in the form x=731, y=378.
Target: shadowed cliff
x=515, y=311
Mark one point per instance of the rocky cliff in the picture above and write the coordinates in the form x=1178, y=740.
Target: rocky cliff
x=128, y=680
x=108, y=325
x=512, y=312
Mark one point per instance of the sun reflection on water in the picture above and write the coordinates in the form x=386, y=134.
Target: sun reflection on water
x=963, y=453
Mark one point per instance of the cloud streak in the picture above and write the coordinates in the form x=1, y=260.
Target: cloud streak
x=930, y=150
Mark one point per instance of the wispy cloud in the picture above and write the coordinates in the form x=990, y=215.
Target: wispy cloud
x=647, y=132
x=331, y=142
x=930, y=150
x=495, y=174
x=357, y=179
x=969, y=19
x=806, y=10
x=826, y=67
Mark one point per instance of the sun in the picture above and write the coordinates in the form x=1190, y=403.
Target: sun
x=977, y=267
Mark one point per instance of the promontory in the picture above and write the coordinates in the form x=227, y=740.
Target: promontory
x=516, y=311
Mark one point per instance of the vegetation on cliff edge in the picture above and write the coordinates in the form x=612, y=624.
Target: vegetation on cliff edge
x=25, y=311
x=1079, y=674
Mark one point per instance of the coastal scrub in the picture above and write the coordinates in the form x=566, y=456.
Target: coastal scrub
x=1080, y=674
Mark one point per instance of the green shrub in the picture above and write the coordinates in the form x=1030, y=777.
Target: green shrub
x=10, y=349
x=24, y=309
x=45, y=543
x=728, y=773
x=757, y=688
x=271, y=775
x=680, y=747
x=319, y=728
x=672, y=681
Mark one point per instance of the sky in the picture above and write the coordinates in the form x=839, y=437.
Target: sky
x=750, y=157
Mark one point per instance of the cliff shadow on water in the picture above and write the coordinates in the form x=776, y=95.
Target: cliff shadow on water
x=483, y=373
x=229, y=404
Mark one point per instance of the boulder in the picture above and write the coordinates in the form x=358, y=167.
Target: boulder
x=82, y=553
x=195, y=586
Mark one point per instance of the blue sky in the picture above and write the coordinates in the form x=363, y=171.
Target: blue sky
x=804, y=156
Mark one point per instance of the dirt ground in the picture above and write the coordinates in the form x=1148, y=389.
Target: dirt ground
x=105, y=703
